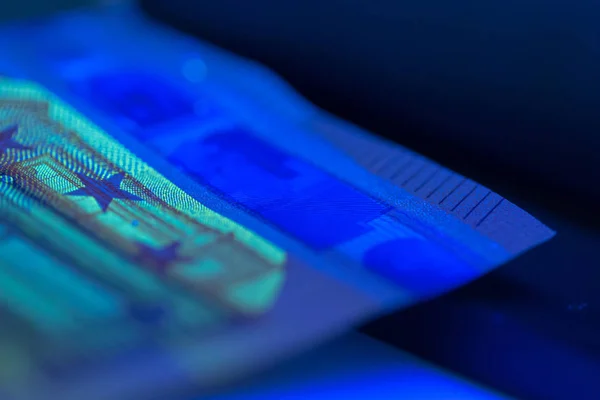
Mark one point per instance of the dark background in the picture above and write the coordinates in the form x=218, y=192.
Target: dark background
x=20, y=9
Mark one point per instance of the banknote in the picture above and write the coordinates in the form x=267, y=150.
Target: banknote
x=173, y=215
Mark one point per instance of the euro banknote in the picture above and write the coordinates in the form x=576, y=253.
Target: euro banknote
x=175, y=216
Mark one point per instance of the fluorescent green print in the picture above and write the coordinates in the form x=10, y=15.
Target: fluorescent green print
x=56, y=156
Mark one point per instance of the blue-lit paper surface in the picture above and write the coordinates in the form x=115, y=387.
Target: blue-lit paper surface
x=366, y=226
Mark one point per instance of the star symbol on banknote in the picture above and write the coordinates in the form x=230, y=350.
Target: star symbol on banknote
x=104, y=191
x=160, y=257
x=7, y=140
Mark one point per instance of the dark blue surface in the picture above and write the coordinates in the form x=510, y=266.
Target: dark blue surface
x=356, y=367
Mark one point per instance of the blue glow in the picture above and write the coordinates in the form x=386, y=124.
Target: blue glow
x=358, y=367
x=312, y=206
x=194, y=70
x=418, y=265
x=143, y=98
x=294, y=194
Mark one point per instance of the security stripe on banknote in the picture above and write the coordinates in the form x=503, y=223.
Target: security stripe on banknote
x=20, y=157
x=64, y=324
x=54, y=163
x=49, y=231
